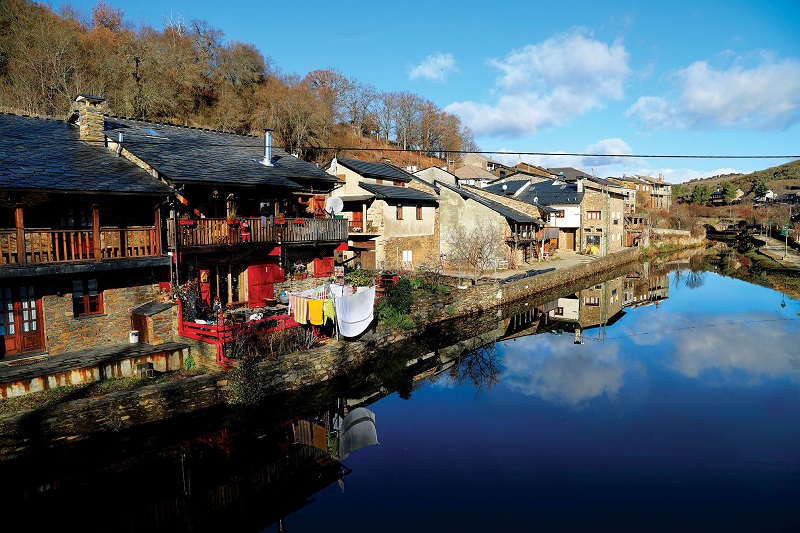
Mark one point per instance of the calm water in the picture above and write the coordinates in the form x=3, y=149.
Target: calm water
x=676, y=408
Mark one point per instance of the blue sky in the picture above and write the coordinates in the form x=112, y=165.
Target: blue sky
x=695, y=78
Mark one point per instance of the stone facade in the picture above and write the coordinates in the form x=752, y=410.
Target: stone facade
x=609, y=227
x=64, y=332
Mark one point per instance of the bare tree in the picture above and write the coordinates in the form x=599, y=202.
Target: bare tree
x=477, y=247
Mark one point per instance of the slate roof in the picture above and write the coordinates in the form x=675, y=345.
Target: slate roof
x=198, y=156
x=551, y=192
x=367, y=169
x=501, y=209
x=569, y=173
x=46, y=155
x=394, y=192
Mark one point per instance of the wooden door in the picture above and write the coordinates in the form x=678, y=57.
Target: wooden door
x=358, y=221
x=570, y=240
x=20, y=323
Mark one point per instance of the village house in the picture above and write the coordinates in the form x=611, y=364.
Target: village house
x=589, y=219
x=486, y=163
x=462, y=212
x=473, y=175
x=718, y=196
x=101, y=218
x=81, y=244
x=393, y=215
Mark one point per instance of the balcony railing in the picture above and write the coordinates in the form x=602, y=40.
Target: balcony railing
x=62, y=246
x=218, y=232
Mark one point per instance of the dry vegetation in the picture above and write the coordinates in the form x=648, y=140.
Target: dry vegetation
x=186, y=74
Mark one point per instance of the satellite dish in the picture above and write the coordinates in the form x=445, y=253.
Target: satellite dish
x=536, y=199
x=333, y=205
x=505, y=186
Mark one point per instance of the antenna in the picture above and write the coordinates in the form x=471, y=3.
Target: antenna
x=333, y=205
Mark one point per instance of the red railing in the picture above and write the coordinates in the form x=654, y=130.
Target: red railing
x=218, y=231
x=59, y=246
x=221, y=333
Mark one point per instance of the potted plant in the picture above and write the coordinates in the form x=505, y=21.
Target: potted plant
x=232, y=220
x=279, y=219
x=299, y=271
x=186, y=221
x=299, y=221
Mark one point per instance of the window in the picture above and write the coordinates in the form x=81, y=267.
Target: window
x=559, y=213
x=398, y=183
x=399, y=211
x=558, y=311
x=591, y=300
x=593, y=240
x=379, y=181
x=419, y=212
x=407, y=256
x=593, y=215
x=87, y=299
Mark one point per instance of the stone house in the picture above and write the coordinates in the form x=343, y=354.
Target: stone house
x=462, y=209
x=109, y=214
x=247, y=214
x=393, y=215
x=81, y=237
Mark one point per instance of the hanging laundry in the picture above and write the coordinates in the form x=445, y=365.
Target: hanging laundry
x=328, y=311
x=355, y=313
x=315, y=312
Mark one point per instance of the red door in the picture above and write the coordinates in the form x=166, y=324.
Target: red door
x=20, y=321
x=260, y=281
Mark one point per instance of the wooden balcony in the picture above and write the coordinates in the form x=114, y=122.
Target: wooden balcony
x=69, y=245
x=218, y=232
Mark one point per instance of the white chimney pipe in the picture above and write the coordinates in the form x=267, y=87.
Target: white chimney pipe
x=267, y=161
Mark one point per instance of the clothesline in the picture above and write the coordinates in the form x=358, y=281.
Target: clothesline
x=351, y=309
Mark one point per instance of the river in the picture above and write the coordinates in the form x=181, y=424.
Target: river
x=656, y=400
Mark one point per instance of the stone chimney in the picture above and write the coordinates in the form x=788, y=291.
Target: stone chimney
x=579, y=184
x=90, y=118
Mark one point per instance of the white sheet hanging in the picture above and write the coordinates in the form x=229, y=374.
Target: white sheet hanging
x=355, y=313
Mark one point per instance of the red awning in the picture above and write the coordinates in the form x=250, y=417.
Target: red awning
x=342, y=247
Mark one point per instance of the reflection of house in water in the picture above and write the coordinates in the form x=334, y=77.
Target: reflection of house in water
x=593, y=307
x=235, y=478
x=639, y=289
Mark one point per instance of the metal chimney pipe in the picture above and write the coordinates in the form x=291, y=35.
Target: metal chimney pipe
x=267, y=161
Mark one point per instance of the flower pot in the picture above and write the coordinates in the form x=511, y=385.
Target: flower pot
x=280, y=221
x=188, y=223
x=299, y=221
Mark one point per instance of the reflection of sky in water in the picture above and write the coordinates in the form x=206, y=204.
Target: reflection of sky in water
x=687, y=417
x=725, y=332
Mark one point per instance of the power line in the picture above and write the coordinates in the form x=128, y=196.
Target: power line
x=419, y=151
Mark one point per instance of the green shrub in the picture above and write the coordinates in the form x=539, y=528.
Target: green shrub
x=399, y=297
x=360, y=278
x=390, y=316
x=189, y=362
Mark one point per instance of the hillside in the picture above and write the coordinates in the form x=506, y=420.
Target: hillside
x=780, y=179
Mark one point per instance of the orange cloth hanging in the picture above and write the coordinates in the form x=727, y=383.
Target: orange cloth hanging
x=315, y=312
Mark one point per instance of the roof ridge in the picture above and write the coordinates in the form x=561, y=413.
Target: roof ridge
x=184, y=127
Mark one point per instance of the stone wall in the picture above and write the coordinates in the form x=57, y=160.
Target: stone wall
x=71, y=422
x=64, y=332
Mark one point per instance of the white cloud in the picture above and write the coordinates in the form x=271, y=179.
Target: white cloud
x=546, y=84
x=556, y=373
x=608, y=147
x=435, y=67
x=763, y=96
